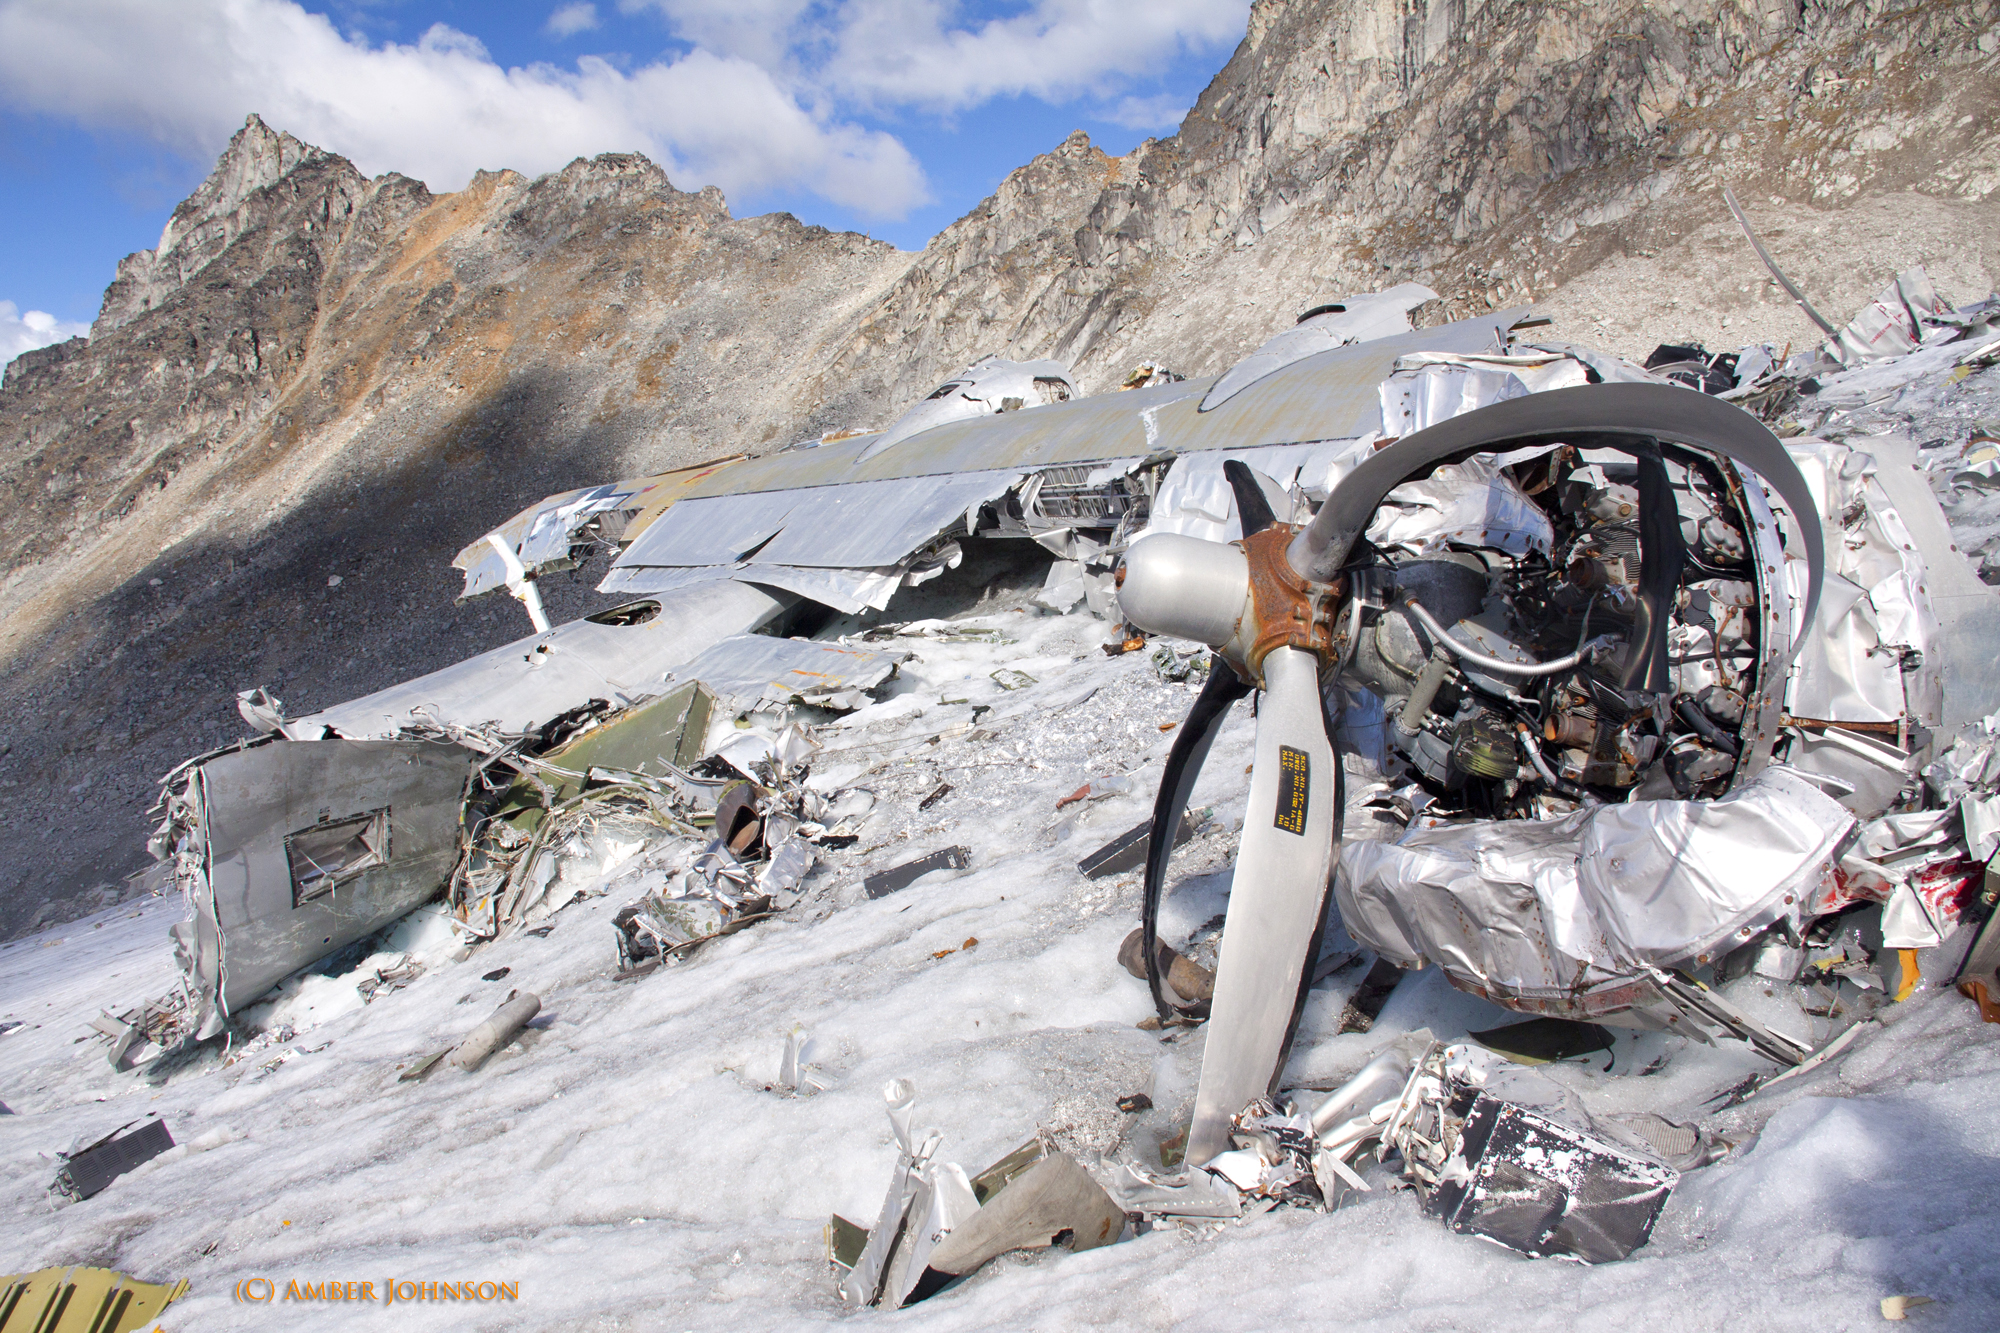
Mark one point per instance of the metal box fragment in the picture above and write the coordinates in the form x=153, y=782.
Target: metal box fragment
x=1531, y=1184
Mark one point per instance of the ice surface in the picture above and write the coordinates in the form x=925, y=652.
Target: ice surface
x=629, y=1164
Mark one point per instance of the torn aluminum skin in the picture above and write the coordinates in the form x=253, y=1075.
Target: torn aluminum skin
x=547, y=536
x=1568, y=917
x=758, y=669
x=289, y=850
x=1472, y=503
x=1429, y=387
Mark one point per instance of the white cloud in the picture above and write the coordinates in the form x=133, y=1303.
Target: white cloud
x=439, y=109
x=25, y=332
x=763, y=99
x=1164, y=112
x=570, y=20
x=769, y=32
x=907, y=52
x=919, y=53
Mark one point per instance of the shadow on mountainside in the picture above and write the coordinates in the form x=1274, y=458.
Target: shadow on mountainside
x=131, y=684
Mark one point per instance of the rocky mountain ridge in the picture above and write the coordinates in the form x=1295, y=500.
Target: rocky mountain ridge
x=317, y=376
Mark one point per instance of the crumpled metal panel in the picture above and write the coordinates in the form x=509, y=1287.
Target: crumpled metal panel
x=1534, y=915
x=753, y=668
x=252, y=799
x=525, y=683
x=1350, y=319
x=1891, y=325
x=1967, y=610
x=541, y=535
x=1472, y=503
x=1857, y=666
x=486, y=569
x=1195, y=499
x=1429, y=387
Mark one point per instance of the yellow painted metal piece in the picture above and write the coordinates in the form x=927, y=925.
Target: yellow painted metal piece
x=1907, y=960
x=82, y=1300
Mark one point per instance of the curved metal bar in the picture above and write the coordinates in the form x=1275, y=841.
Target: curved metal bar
x=1493, y=664
x=1612, y=416
x=1184, y=761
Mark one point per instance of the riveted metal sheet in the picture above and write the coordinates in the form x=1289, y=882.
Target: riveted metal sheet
x=713, y=530
x=1762, y=711
x=872, y=523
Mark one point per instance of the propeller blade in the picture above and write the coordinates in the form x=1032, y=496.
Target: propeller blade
x=1253, y=509
x=1277, y=900
x=1184, y=762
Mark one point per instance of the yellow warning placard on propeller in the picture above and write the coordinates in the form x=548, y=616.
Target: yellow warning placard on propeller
x=1294, y=767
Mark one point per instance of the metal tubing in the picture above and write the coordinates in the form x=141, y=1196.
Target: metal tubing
x=1494, y=664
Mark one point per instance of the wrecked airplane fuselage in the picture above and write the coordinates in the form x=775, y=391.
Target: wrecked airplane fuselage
x=289, y=850
x=1574, y=640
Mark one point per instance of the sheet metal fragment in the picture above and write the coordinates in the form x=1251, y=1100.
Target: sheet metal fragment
x=1128, y=850
x=760, y=669
x=89, y=1171
x=885, y=882
x=82, y=1300
x=1543, y=1188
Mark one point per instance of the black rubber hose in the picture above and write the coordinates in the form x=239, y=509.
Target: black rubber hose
x=1662, y=554
x=1692, y=714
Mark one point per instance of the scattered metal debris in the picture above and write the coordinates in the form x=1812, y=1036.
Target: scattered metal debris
x=1128, y=850
x=885, y=882
x=938, y=1225
x=87, y=1171
x=505, y=1024
x=1648, y=699
x=1190, y=980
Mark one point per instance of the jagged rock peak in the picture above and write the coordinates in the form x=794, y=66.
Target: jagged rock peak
x=221, y=209
x=1076, y=145
x=257, y=156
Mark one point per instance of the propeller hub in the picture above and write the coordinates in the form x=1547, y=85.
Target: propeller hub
x=1242, y=599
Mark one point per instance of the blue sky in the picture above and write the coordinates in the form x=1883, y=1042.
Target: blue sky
x=891, y=117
